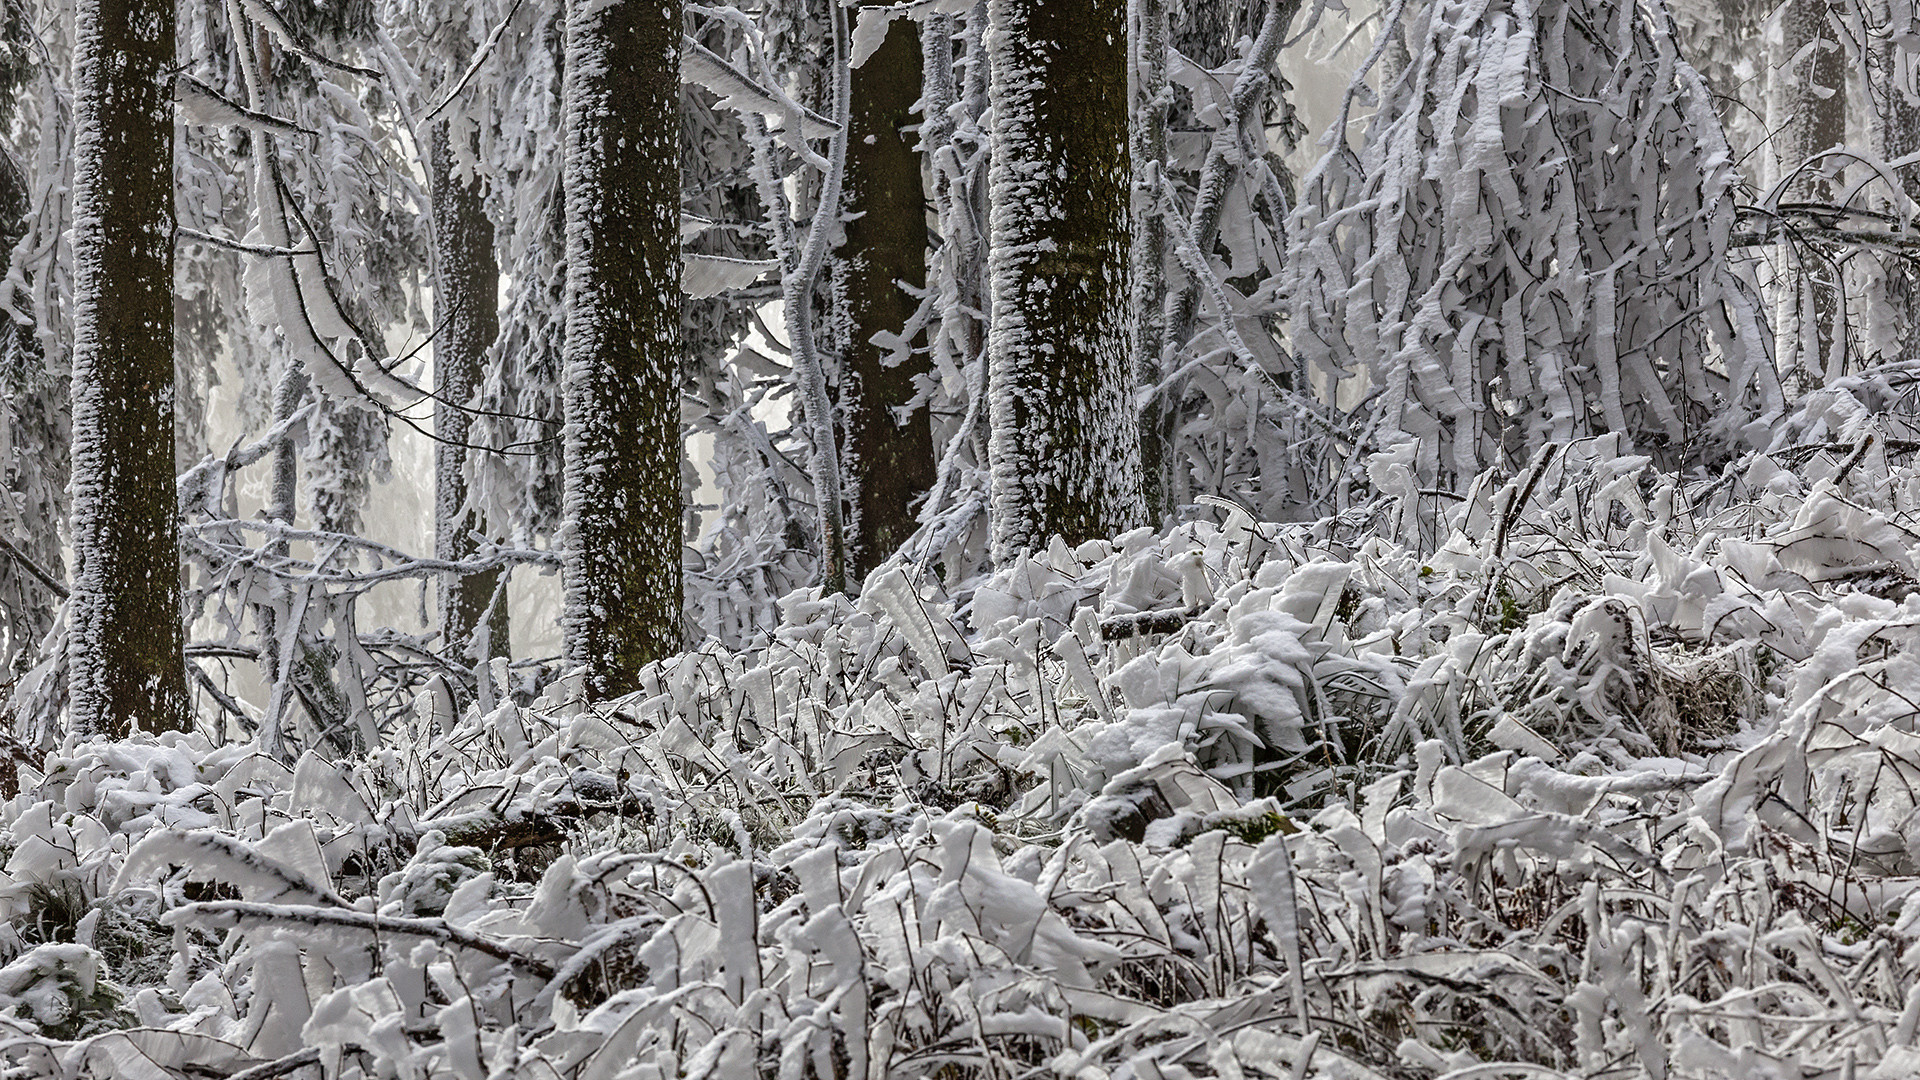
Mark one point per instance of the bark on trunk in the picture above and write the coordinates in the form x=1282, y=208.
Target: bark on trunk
x=623, y=505
x=127, y=668
x=1065, y=438
x=466, y=290
x=1150, y=244
x=889, y=460
x=1811, y=98
x=1896, y=130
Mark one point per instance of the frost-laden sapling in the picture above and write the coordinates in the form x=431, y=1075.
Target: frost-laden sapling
x=801, y=260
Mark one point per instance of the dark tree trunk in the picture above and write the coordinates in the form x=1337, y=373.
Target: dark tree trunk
x=1065, y=442
x=890, y=462
x=466, y=290
x=623, y=504
x=126, y=644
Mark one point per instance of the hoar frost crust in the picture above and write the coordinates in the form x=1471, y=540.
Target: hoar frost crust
x=1065, y=438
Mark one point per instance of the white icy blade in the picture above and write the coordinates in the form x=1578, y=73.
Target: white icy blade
x=703, y=67
x=871, y=28
x=711, y=275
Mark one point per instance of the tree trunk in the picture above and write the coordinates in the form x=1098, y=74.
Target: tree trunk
x=622, y=532
x=126, y=636
x=889, y=460
x=1065, y=439
x=1150, y=168
x=35, y=441
x=254, y=49
x=466, y=291
x=1810, y=97
x=1896, y=135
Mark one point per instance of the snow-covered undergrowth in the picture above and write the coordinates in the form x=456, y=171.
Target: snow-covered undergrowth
x=1619, y=781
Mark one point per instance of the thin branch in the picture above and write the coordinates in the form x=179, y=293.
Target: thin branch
x=214, y=108
x=182, y=232
x=31, y=567
x=299, y=1059
x=259, y=12
x=473, y=67
x=430, y=929
x=220, y=697
x=402, y=565
x=1906, y=246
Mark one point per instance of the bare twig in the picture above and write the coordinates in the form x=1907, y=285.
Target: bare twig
x=268, y=251
x=1793, y=455
x=299, y=1059
x=431, y=929
x=1853, y=459
x=52, y=584
x=1121, y=627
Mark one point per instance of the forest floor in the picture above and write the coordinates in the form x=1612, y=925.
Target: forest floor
x=1601, y=773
